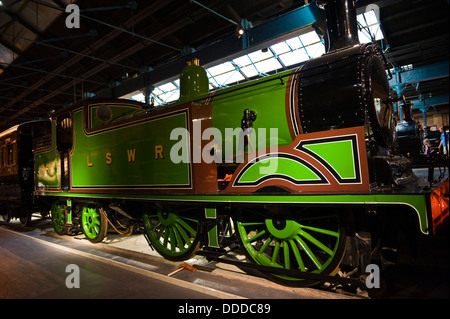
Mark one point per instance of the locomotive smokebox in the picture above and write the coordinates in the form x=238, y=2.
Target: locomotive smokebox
x=342, y=27
x=348, y=85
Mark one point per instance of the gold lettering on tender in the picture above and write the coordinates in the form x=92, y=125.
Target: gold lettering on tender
x=89, y=164
x=159, y=151
x=108, y=158
x=131, y=155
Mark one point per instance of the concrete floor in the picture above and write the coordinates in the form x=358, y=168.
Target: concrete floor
x=35, y=269
x=33, y=263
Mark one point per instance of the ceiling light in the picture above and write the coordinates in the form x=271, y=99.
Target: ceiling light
x=239, y=32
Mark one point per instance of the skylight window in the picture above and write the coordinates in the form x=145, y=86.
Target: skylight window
x=369, y=27
x=281, y=48
x=276, y=58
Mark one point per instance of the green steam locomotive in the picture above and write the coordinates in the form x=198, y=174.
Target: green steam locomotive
x=297, y=167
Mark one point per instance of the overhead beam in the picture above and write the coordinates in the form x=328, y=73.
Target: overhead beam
x=425, y=102
x=282, y=26
x=420, y=74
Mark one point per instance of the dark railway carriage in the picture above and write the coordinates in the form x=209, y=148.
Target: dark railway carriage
x=297, y=167
x=17, y=169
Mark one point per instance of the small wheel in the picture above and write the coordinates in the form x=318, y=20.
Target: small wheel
x=58, y=218
x=26, y=220
x=310, y=242
x=94, y=223
x=175, y=237
x=5, y=215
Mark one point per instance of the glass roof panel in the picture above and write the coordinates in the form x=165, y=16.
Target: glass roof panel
x=40, y=17
x=259, y=55
x=242, y=61
x=280, y=48
x=268, y=65
x=18, y=35
x=309, y=38
x=316, y=50
x=157, y=91
x=367, y=18
x=170, y=96
x=167, y=87
x=250, y=71
x=294, y=43
x=294, y=57
x=138, y=97
x=246, y=66
x=221, y=68
x=369, y=27
x=233, y=77
x=6, y=56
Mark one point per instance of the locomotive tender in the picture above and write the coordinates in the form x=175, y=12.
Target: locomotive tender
x=299, y=164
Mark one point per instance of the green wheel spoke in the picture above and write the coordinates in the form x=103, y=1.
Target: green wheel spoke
x=253, y=224
x=156, y=226
x=321, y=230
x=309, y=253
x=276, y=251
x=287, y=261
x=257, y=236
x=266, y=244
x=172, y=239
x=166, y=237
x=179, y=241
x=316, y=242
x=160, y=231
x=183, y=234
x=186, y=226
x=298, y=258
x=189, y=219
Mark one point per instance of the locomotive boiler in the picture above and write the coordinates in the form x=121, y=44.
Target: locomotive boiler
x=297, y=167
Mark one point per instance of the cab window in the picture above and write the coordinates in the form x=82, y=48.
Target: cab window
x=64, y=127
x=102, y=115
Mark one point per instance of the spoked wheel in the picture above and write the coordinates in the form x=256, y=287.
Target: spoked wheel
x=94, y=223
x=58, y=218
x=173, y=234
x=311, y=242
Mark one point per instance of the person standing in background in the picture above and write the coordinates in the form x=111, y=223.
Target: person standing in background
x=427, y=145
x=443, y=144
